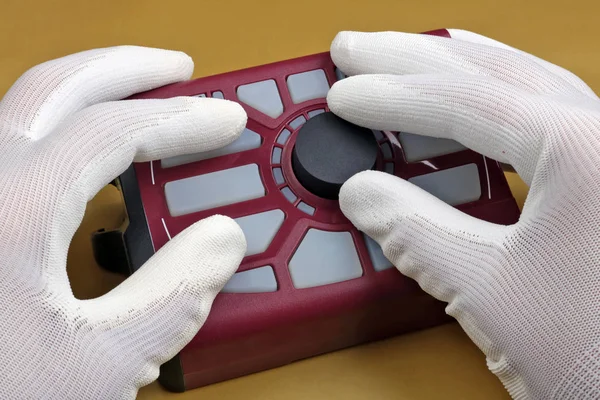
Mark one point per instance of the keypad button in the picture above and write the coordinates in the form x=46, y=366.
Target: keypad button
x=417, y=147
x=297, y=122
x=257, y=280
x=455, y=186
x=315, y=112
x=287, y=192
x=324, y=258
x=308, y=86
x=302, y=206
x=262, y=96
x=260, y=229
x=215, y=189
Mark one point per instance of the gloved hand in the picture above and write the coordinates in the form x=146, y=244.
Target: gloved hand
x=62, y=138
x=528, y=295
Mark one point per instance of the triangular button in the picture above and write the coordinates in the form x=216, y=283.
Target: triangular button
x=262, y=96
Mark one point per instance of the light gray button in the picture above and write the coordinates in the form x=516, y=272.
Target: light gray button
x=455, y=186
x=417, y=147
x=339, y=74
x=378, y=135
x=262, y=96
x=248, y=140
x=315, y=112
x=260, y=229
x=201, y=95
x=257, y=280
x=276, y=157
x=302, y=206
x=215, y=189
x=278, y=174
x=283, y=136
x=308, y=86
x=287, y=192
x=323, y=258
x=297, y=122
x=218, y=95
x=380, y=262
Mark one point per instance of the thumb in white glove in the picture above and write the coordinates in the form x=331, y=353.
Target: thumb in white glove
x=64, y=136
x=529, y=294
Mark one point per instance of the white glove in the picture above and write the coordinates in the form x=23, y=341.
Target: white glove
x=63, y=138
x=528, y=295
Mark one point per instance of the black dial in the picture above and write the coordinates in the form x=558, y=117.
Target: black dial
x=329, y=151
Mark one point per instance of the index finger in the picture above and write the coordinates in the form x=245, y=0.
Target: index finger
x=47, y=93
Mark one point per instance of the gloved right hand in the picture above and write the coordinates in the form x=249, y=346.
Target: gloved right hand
x=529, y=294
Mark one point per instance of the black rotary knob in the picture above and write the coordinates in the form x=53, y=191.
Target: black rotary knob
x=329, y=151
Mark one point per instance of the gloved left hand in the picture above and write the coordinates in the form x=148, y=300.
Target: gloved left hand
x=63, y=136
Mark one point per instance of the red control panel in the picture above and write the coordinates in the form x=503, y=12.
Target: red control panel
x=310, y=282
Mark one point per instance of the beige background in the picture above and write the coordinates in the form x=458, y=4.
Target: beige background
x=227, y=35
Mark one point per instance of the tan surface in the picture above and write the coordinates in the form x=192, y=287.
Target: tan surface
x=226, y=35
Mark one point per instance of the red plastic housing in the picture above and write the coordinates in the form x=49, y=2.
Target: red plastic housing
x=247, y=333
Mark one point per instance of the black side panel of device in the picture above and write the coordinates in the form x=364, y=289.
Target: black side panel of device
x=125, y=251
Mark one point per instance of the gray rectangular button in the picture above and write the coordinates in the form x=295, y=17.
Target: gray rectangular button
x=214, y=189
x=455, y=186
x=417, y=147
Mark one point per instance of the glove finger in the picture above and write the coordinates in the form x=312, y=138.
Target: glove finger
x=568, y=76
x=446, y=251
x=407, y=53
x=47, y=93
x=481, y=113
x=157, y=311
x=100, y=142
